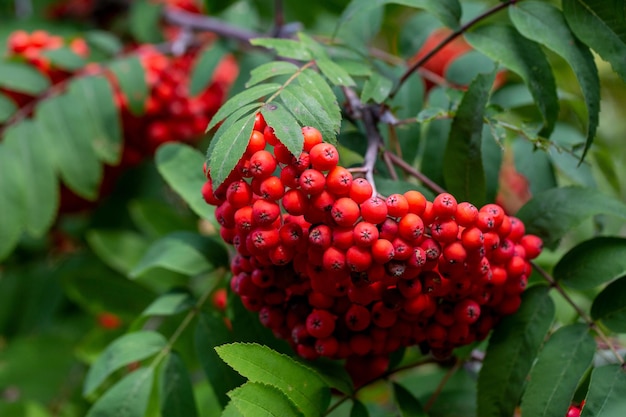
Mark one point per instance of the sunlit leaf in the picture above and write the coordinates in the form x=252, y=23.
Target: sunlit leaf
x=286, y=127
x=317, y=87
x=335, y=74
x=259, y=399
x=309, y=112
x=239, y=100
x=269, y=70
x=286, y=48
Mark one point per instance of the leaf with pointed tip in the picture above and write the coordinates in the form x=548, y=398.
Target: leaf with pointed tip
x=286, y=48
x=64, y=58
x=239, y=100
x=129, y=74
x=61, y=121
x=261, y=400
x=376, y=88
x=359, y=409
x=127, y=398
x=104, y=41
x=258, y=363
x=463, y=166
x=309, y=112
x=180, y=166
x=607, y=393
x=239, y=114
x=40, y=194
x=119, y=249
x=129, y=348
x=204, y=67
x=526, y=59
x=286, y=127
x=512, y=349
x=610, y=306
x=592, y=263
x=22, y=78
x=561, y=364
x=601, y=24
x=175, y=388
x=552, y=213
x=269, y=70
x=408, y=405
x=335, y=74
x=169, y=304
x=545, y=24
x=229, y=148
x=317, y=87
x=96, y=96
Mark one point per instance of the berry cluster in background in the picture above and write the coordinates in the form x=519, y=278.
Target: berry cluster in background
x=170, y=113
x=342, y=273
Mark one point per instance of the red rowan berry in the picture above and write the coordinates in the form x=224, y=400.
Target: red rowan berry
x=244, y=220
x=496, y=212
x=207, y=194
x=322, y=202
x=360, y=190
x=302, y=162
x=444, y=231
x=459, y=334
x=334, y=259
x=265, y=212
x=491, y=241
x=320, y=300
x=417, y=202
x=290, y=177
x=411, y=227
x=239, y=194
x=533, y=245
x=270, y=136
x=271, y=188
x=365, y=234
x=360, y=344
x=410, y=288
x=256, y=143
x=358, y=259
x=324, y=156
x=264, y=239
x=307, y=352
x=444, y=205
x=312, y=137
x=517, y=229
x=339, y=181
x=505, y=227
x=454, y=253
x=320, y=236
x=271, y=317
x=466, y=214
x=290, y=234
x=374, y=210
x=283, y=155
x=382, y=316
x=472, y=238
x=345, y=212
x=225, y=215
x=402, y=250
x=467, y=311
x=312, y=181
x=295, y=202
x=418, y=258
x=320, y=324
x=259, y=123
x=388, y=229
x=327, y=347
x=357, y=318
x=432, y=249
x=281, y=254
x=397, y=205
x=382, y=251
x=343, y=237
x=262, y=164
x=516, y=266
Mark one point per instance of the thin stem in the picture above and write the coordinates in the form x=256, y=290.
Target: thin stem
x=208, y=24
x=374, y=140
x=414, y=172
x=592, y=324
x=447, y=40
x=390, y=167
x=442, y=384
x=279, y=17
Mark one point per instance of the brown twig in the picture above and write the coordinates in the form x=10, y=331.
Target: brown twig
x=395, y=159
x=446, y=41
x=442, y=384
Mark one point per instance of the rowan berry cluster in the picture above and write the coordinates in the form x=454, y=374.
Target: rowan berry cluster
x=342, y=273
x=171, y=113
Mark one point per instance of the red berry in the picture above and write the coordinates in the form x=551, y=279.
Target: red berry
x=320, y=324
x=324, y=156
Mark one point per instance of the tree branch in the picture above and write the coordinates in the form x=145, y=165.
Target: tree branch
x=414, y=172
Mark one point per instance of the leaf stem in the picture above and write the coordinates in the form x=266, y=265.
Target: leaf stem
x=446, y=41
x=442, y=384
x=586, y=318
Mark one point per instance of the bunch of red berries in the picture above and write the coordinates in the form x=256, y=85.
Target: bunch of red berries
x=342, y=273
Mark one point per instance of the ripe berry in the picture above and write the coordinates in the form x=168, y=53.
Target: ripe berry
x=345, y=212
x=382, y=251
x=271, y=188
x=411, y=227
x=417, y=202
x=374, y=210
x=397, y=205
x=360, y=190
x=320, y=324
x=365, y=234
x=262, y=164
x=312, y=137
x=324, y=156
x=312, y=181
x=265, y=212
x=357, y=318
x=444, y=205
x=339, y=181
x=532, y=245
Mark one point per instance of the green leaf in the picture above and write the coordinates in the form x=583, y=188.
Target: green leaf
x=231, y=411
x=40, y=192
x=463, y=169
x=317, y=87
x=269, y=70
x=169, y=304
x=554, y=212
x=12, y=197
x=545, y=24
x=335, y=74
x=607, y=393
x=259, y=363
x=592, y=263
x=525, y=58
x=175, y=388
x=182, y=252
x=62, y=121
x=566, y=154
x=309, y=112
x=239, y=100
x=128, y=398
x=511, y=352
x=129, y=348
x=286, y=48
x=376, y=88
x=204, y=67
x=104, y=41
x=561, y=364
x=7, y=108
x=129, y=74
x=119, y=249
x=181, y=167
x=65, y=58
x=358, y=409
x=333, y=373
x=286, y=127
x=22, y=78
x=407, y=403
x=256, y=399
x=158, y=218
x=447, y=11
x=145, y=21
x=96, y=96
x=211, y=331
x=610, y=306
x=229, y=148
x=600, y=24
